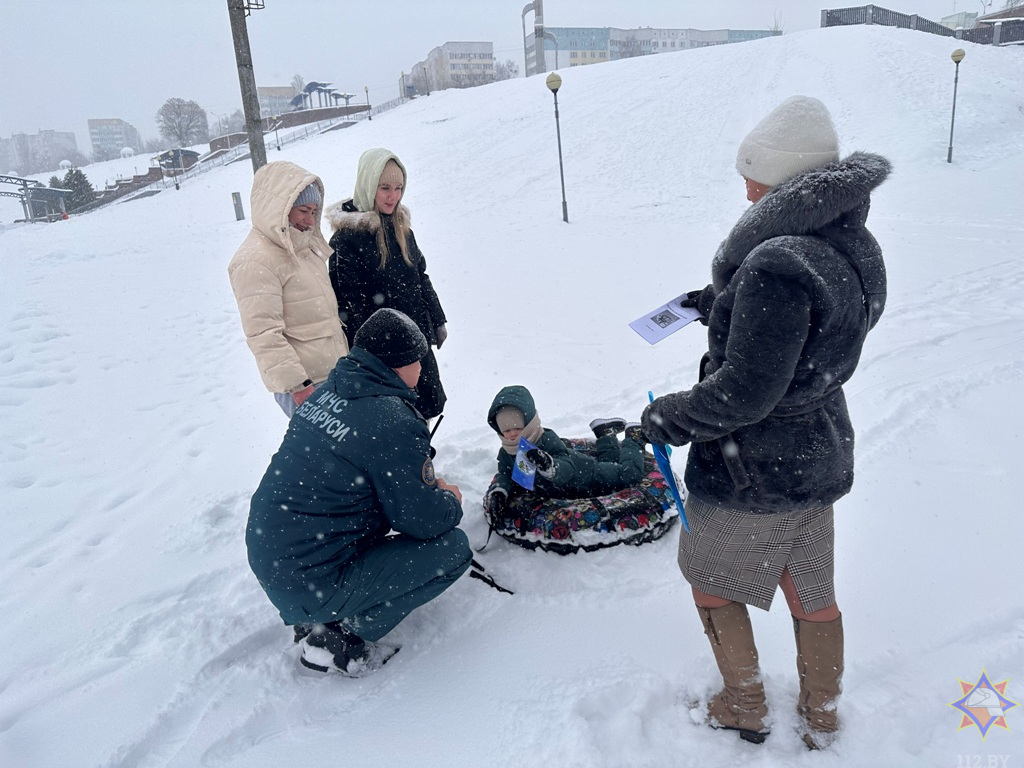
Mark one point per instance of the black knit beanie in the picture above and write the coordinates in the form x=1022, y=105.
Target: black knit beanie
x=392, y=337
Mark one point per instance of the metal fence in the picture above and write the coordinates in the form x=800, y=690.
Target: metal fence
x=273, y=139
x=997, y=33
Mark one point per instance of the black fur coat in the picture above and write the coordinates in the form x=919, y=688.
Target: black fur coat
x=799, y=282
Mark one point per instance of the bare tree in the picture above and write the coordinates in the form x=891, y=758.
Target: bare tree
x=298, y=83
x=44, y=159
x=236, y=122
x=506, y=70
x=776, y=27
x=183, y=122
x=101, y=154
x=471, y=80
x=630, y=47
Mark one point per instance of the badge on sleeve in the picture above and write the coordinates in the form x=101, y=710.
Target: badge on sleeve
x=428, y=472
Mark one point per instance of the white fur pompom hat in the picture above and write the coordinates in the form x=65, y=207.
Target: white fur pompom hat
x=796, y=136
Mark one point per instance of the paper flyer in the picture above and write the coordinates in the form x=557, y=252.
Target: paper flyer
x=524, y=470
x=662, y=322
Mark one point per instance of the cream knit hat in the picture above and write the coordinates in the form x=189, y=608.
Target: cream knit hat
x=372, y=164
x=796, y=136
x=392, y=174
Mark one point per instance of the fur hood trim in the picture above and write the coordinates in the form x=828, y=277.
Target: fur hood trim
x=343, y=217
x=803, y=205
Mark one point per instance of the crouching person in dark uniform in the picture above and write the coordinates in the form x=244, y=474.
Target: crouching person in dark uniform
x=354, y=467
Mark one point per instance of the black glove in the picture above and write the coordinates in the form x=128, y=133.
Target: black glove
x=495, y=500
x=440, y=333
x=542, y=460
x=701, y=301
x=653, y=425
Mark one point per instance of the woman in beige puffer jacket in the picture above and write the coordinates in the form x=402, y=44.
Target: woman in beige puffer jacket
x=279, y=276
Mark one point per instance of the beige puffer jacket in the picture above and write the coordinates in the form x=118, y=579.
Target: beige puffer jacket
x=279, y=275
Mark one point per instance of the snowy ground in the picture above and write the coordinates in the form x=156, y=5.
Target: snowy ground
x=135, y=428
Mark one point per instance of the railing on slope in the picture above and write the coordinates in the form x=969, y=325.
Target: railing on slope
x=996, y=33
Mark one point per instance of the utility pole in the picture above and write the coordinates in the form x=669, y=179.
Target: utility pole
x=237, y=10
x=539, y=55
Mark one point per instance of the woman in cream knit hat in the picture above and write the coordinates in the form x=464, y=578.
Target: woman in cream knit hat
x=797, y=285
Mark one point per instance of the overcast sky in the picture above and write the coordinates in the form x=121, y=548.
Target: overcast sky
x=64, y=61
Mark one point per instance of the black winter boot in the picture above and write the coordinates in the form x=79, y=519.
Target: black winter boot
x=332, y=648
x=636, y=433
x=608, y=426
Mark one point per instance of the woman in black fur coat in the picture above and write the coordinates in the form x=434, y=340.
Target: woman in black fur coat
x=797, y=285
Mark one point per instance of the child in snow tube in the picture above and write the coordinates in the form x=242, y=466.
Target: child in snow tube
x=586, y=494
x=561, y=471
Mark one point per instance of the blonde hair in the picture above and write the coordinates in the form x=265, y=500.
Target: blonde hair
x=400, y=219
x=393, y=173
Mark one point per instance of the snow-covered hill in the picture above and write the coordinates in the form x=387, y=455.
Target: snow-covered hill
x=135, y=428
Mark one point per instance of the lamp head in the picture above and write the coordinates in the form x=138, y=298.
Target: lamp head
x=554, y=82
x=958, y=55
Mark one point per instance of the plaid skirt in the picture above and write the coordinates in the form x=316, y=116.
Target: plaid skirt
x=741, y=556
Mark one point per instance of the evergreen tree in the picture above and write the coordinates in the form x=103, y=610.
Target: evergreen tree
x=81, y=193
x=55, y=183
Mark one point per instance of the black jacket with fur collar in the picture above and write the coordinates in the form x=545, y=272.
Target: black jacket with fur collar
x=362, y=286
x=799, y=282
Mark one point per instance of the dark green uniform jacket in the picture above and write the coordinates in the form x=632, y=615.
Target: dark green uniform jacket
x=354, y=464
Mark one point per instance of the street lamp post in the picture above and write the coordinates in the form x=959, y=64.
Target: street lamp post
x=277, y=136
x=957, y=56
x=368, y=115
x=554, y=82
x=221, y=120
x=553, y=39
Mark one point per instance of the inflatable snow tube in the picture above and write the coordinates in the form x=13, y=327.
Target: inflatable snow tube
x=635, y=515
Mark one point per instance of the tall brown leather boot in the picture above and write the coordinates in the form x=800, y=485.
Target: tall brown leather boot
x=819, y=662
x=740, y=705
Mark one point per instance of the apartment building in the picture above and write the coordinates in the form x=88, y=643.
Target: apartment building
x=31, y=153
x=579, y=46
x=110, y=135
x=453, y=65
x=275, y=99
